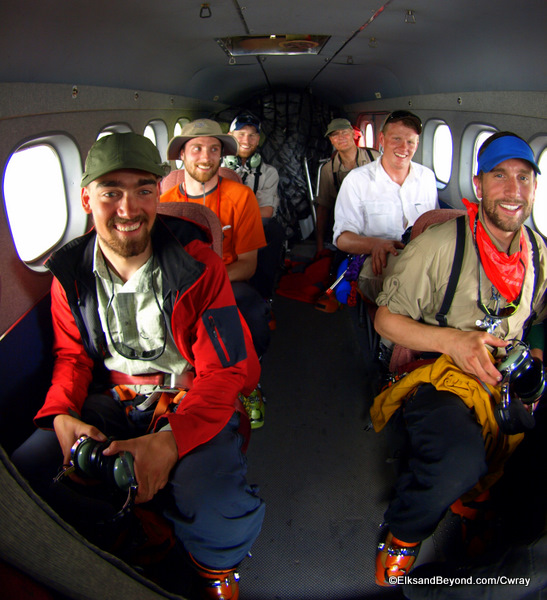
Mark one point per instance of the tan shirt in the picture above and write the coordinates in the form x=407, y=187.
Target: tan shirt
x=417, y=283
x=133, y=317
x=327, y=188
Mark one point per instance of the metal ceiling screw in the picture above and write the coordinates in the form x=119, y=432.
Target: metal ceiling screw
x=75, y=91
x=136, y=95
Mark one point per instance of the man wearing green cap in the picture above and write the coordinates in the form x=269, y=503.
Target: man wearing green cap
x=347, y=156
x=149, y=349
x=459, y=432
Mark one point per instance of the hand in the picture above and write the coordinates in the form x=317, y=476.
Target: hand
x=379, y=252
x=154, y=456
x=468, y=350
x=69, y=429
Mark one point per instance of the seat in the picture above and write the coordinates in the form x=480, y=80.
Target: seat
x=176, y=177
x=402, y=356
x=197, y=213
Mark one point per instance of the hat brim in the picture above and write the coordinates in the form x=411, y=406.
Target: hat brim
x=229, y=145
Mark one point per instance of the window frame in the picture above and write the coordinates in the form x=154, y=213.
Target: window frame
x=70, y=163
x=428, y=148
x=467, y=152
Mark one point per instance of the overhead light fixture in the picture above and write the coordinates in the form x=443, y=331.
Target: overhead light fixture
x=205, y=11
x=410, y=18
x=372, y=43
x=272, y=44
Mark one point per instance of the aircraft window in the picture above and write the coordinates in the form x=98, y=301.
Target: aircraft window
x=35, y=198
x=472, y=139
x=442, y=154
x=118, y=127
x=369, y=136
x=156, y=131
x=540, y=205
x=150, y=134
x=481, y=138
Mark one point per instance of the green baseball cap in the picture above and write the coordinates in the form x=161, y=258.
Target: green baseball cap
x=201, y=128
x=122, y=151
x=337, y=125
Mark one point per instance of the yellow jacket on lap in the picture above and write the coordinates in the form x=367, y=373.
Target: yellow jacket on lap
x=444, y=375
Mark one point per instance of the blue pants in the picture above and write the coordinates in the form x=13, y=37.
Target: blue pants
x=445, y=459
x=256, y=312
x=215, y=513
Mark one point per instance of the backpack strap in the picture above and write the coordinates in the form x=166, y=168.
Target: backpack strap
x=454, y=273
x=535, y=263
x=335, y=174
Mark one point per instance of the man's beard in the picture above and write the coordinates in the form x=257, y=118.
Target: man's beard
x=502, y=223
x=199, y=175
x=125, y=247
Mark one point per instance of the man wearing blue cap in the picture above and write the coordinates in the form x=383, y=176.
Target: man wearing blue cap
x=457, y=442
x=262, y=178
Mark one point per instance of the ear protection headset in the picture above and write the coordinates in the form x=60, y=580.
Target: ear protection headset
x=233, y=162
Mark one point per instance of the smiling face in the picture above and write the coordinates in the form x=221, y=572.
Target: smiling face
x=400, y=144
x=201, y=157
x=123, y=205
x=248, y=139
x=342, y=139
x=507, y=194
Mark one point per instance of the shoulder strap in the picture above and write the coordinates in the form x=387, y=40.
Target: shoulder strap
x=454, y=273
x=257, y=175
x=370, y=155
x=535, y=263
x=335, y=174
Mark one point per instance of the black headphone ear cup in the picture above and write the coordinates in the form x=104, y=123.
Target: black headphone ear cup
x=513, y=418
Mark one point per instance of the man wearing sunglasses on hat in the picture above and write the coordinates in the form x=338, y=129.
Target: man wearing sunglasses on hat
x=457, y=446
x=378, y=202
x=136, y=303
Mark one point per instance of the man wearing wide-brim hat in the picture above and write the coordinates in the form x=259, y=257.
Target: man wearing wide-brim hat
x=201, y=146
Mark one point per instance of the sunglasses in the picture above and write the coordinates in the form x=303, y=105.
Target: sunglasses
x=400, y=115
x=497, y=313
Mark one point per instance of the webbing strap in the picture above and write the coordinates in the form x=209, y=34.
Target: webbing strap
x=454, y=273
x=535, y=263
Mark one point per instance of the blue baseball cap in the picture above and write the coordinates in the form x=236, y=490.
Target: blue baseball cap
x=504, y=146
x=243, y=120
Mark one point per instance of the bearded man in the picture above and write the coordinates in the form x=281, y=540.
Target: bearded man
x=458, y=437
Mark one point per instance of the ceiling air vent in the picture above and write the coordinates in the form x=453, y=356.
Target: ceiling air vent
x=273, y=44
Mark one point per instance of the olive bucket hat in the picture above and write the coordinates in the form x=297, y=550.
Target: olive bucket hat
x=201, y=128
x=122, y=151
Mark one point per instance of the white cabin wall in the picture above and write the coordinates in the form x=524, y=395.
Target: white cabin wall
x=524, y=113
x=28, y=110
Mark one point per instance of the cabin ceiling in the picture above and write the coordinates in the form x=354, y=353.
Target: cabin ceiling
x=164, y=46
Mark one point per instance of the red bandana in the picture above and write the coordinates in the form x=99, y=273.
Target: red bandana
x=506, y=272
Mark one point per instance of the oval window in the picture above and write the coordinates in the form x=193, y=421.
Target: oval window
x=35, y=198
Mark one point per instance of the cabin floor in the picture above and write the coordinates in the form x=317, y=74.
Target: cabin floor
x=324, y=476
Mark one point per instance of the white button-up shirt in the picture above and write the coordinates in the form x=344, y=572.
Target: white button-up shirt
x=371, y=204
